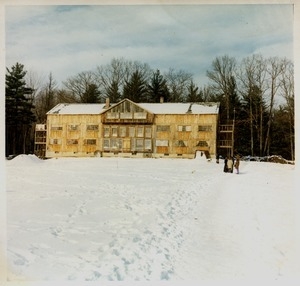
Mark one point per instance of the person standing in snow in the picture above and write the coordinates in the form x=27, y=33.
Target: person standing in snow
x=230, y=164
x=225, y=165
x=237, y=164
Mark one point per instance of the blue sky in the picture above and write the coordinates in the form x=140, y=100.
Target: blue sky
x=66, y=40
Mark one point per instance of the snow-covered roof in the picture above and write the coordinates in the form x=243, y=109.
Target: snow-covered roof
x=155, y=108
x=77, y=108
x=181, y=108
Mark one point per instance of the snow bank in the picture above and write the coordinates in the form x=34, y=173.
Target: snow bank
x=25, y=160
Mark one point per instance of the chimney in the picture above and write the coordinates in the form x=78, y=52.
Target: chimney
x=107, y=103
x=161, y=99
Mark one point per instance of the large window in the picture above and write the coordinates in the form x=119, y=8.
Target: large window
x=148, y=132
x=90, y=142
x=184, y=128
x=73, y=127
x=116, y=144
x=72, y=141
x=131, y=131
x=140, y=132
x=163, y=128
x=56, y=127
x=205, y=128
x=162, y=143
x=202, y=144
x=106, y=144
x=181, y=143
x=106, y=131
x=122, y=131
x=92, y=127
x=114, y=131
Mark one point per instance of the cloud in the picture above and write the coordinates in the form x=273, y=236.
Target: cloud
x=66, y=40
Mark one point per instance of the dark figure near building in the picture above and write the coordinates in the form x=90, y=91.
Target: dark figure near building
x=225, y=165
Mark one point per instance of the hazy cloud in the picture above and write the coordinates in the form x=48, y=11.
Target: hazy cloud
x=66, y=40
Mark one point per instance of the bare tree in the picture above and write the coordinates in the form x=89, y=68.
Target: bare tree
x=80, y=86
x=111, y=77
x=287, y=91
x=45, y=99
x=252, y=86
x=222, y=74
x=274, y=70
x=178, y=83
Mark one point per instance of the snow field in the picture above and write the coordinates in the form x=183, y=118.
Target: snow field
x=120, y=219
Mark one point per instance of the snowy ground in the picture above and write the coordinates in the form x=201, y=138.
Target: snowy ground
x=124, y=219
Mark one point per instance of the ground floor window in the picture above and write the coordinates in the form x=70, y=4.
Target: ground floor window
x=162, y=143
x=90, y=141
x=72, y=141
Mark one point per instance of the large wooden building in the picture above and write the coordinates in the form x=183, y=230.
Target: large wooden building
x=132, y=129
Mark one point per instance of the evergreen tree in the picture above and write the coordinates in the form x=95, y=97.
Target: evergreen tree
x=135, y=89
x=91, y=94
x=112, y=91
x=193, y=94
x=19, y=112
x=157, y=88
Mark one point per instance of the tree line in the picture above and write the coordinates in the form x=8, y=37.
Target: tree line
x=257, y=93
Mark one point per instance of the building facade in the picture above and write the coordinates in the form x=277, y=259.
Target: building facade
x=130, y=129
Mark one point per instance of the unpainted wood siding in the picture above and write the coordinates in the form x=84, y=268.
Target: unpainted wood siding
x=73, y=135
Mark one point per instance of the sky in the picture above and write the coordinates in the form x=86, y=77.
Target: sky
x=68, y=39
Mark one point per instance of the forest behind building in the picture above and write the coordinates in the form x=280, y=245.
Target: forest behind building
x=256, y=92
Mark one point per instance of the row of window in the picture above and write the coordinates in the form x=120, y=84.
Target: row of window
x=122, y=131
x=135, y=143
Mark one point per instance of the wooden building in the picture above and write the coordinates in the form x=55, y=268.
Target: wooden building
x=132, y=129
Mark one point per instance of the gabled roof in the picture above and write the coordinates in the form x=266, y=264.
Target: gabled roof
x=77, y=108
x=182, y=108
x=131, y=102
x=155, y=108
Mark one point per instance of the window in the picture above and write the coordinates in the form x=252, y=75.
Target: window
x=122, y=131
x=55, y=141
x=140, y=132
x=202, y=144
x=72, y=141
x=181, y=143
x=125, y=115
x=112, y=115
x=140, y=115
x=56, y=127
x=92, y=127
x=116, y=144
x=148, y=132
x=184, y=128
x=90, y=141
x=114, y=131
x=148, y=144
x=162, y=143
x=73, y=127
x=163, y=128
x=106, y=144
x=131, y=132
x=139, y=144
x=205, y=128
x=106, y=132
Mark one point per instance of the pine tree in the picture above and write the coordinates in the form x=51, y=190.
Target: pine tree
x=135, y=89
x=158, y=89
x=112, y=92
x=19, y=115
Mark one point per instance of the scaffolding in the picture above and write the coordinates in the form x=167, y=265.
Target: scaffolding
x=40, y=140
x=226, y=138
